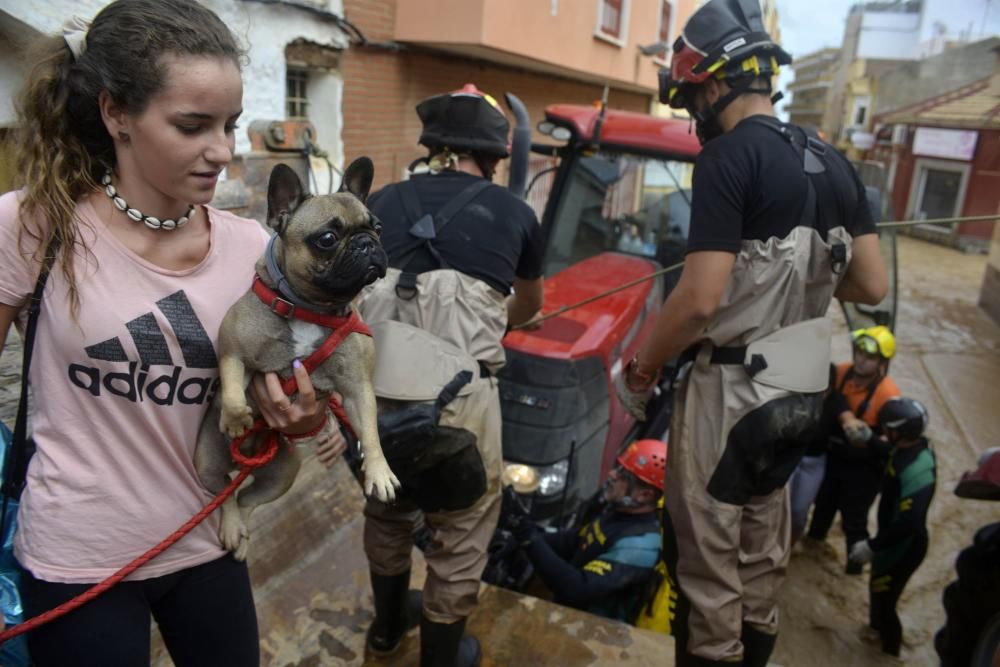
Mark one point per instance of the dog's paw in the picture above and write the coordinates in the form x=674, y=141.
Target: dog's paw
x=234, y=421
x=380, y=481
x=234, y=534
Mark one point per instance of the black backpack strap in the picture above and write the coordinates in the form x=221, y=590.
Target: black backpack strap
x=407, y=192
x=17, y=456
x=424, y=233
x=424, y=229
x=812, y=153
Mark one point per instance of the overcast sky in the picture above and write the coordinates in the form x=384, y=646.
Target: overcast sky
x=804, y=29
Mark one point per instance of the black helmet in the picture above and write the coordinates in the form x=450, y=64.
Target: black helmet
x=464, y=120
x=725, y=39
x=906, y=416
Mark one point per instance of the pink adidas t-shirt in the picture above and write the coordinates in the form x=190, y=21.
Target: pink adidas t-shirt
x=119, y=397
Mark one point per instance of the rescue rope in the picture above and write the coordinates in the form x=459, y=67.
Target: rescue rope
x=632, y=283
x=531, y=324
x=939, y=221
x=247, y=465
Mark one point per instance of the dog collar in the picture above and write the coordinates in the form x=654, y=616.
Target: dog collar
x=284, y=291
x=287, y=309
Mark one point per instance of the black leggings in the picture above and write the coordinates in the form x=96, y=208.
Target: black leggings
x=205, y=614
x=849, y=487
x=886, y=586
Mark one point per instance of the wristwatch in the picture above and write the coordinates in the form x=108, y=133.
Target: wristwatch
x=632, y=371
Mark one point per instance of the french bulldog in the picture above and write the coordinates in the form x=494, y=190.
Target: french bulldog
x=327, y=249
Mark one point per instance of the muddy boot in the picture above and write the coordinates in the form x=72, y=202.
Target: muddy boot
x=397, y=609
x=757, y=646
x=446, y=645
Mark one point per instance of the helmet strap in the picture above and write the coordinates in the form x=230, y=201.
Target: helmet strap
x=707, y=123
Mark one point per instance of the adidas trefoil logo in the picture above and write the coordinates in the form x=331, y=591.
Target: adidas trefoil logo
x=137, y=384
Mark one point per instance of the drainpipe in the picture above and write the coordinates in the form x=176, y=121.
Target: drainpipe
x=520, y=146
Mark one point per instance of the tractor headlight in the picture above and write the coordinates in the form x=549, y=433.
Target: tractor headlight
x=552, y=479
x=522, y=477
x=526, y=479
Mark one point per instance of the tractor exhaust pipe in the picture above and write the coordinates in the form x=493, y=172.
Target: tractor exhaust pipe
x=520, y=146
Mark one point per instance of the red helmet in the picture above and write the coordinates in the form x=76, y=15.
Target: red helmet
x=647, y=460
x=724, y=39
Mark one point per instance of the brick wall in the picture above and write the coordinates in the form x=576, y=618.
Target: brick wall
x=382, y=89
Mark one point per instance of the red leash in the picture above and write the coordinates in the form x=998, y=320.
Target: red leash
x=247, y=465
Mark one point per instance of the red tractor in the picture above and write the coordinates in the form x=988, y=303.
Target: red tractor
x=618, y=210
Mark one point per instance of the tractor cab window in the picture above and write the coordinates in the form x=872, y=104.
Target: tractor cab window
x=621, y=202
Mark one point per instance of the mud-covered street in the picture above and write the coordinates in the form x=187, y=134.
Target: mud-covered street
x=948, y=358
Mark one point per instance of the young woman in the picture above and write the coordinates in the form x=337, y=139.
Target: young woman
x=125, y=128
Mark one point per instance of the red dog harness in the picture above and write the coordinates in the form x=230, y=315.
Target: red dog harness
x=341, y=326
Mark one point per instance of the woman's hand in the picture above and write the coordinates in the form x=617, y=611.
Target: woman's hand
x=292, y=417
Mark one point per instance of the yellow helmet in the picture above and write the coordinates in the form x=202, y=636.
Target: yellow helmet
x=875, y=340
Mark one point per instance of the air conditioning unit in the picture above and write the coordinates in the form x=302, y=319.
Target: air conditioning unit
x=898, y=135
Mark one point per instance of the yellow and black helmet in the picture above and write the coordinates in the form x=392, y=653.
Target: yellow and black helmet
x=875, y=340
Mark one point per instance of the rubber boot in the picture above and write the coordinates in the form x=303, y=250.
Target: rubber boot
x=446, y=645
x=397, y=609
x=757, y=646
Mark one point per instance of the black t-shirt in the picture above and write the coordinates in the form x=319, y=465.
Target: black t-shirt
x=749, y=184
x=495, y=238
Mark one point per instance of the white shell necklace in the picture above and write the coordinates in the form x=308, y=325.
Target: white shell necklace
x=137, y=215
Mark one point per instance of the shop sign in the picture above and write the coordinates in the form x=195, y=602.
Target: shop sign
x=951, y=144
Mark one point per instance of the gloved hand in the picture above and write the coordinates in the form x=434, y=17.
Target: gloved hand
x=858, y=433
x=634, y=401
x=524, y=531
x=861, y=552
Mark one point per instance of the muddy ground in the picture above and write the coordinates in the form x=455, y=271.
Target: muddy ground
x=948, y=358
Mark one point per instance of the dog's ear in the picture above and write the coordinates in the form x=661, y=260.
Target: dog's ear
x=358, y=178
x=284, y=194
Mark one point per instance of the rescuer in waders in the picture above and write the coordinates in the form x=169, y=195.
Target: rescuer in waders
x=465, y=258
x=779, y=225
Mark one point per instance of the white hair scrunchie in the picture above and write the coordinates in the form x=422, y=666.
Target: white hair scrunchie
x=75, y=34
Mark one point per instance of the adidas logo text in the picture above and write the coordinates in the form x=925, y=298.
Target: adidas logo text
x=137, y=385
